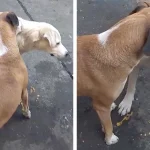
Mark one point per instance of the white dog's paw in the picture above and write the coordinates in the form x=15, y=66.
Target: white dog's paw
x=112, y=140
x=113, y=106
x=27, y=114
x=125, y=107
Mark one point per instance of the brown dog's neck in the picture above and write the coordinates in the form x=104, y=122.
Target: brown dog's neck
x=124, y=41
x=8, y=40
x=144, y=13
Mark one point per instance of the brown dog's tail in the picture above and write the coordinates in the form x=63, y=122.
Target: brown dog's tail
x=140, y=6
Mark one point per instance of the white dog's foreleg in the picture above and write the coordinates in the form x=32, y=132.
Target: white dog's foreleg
x=125, y=105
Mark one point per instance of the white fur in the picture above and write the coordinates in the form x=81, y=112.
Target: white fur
x=113, y=106
x=126, y=104
x=3, y=48
x=103, y=37
x=60, y=49
x=27, y=113
x=19, y=28
x=29, y=32
x=112, y=140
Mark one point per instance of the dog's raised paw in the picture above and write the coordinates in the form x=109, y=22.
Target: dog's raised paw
x=27, y=114
x=124, y=107
x=114, y=139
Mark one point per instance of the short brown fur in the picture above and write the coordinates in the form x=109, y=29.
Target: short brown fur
x=13, y=74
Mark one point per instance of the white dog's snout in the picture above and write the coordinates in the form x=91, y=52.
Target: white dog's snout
x=63, y=50
x=66, y=53
x=60, y=51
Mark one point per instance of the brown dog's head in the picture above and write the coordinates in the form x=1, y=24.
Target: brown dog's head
x=9, y=19
x=141, y=5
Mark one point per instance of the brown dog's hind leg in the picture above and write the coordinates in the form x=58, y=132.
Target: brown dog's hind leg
x=105, y=118
x=25, y=105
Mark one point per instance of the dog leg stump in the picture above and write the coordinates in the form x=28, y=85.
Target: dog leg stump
x=105, y=118
x=25, y=105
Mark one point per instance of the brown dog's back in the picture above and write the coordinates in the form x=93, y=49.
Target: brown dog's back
x=13, y=73
x=109, y=64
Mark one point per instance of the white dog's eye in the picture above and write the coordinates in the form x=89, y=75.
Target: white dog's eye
x=57, y=43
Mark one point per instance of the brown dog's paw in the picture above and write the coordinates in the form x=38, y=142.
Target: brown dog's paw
x=112, y=140
x=27, y=114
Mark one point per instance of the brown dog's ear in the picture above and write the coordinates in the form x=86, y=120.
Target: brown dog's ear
x=12, y=19
x=137, y=9
x=140, y=7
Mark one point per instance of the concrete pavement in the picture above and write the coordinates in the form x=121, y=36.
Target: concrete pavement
x=51, y=104
x=96, y=16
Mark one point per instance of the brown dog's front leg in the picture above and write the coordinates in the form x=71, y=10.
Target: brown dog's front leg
x=25, y=105
x=105, y=118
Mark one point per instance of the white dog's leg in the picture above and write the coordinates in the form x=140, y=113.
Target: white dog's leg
x=125, y=105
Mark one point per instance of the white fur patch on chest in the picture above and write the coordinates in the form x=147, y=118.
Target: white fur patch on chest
x=103, y=37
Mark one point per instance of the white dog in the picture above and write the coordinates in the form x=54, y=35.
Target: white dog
x=39, y=35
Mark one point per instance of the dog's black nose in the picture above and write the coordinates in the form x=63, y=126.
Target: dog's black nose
x=66, y=54
x=52, y=54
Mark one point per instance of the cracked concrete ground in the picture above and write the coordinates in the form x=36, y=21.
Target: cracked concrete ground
x=96, y=16
x=51, y=104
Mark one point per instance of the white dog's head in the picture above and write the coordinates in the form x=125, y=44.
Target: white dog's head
x=55, y=46
x=42, y=36
x=49, y=39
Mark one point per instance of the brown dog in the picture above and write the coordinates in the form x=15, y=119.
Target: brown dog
x=13, y=72
x=105, y=60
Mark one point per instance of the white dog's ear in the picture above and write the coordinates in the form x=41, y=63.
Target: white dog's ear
x=48, y=37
